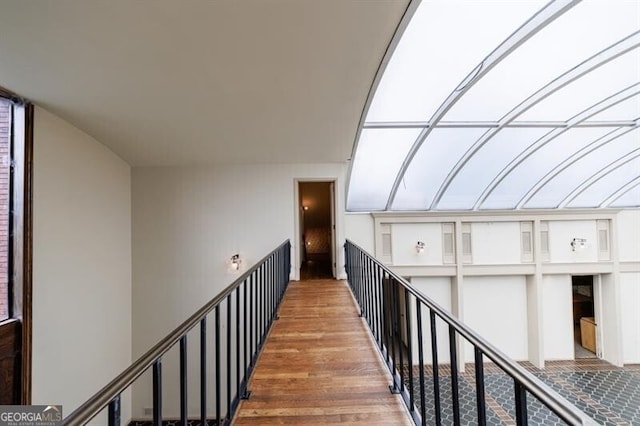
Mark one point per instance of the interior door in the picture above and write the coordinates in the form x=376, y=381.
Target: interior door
x=332, y=192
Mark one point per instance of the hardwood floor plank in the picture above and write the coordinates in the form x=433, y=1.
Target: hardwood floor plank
x=320, y=365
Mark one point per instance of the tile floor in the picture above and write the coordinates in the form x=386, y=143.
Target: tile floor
x=609, y=394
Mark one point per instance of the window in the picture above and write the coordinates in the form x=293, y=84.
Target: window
x=5, y=161
x=16, y=118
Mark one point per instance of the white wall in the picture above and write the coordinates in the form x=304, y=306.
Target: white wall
x=557, y=315
x=187, y=222
x=437, y=289
x=628, y=227
x=630, y=290
x=562, y=232
x=495, y=307
x=81, y=265
x=359, y=229
x=404, y=237
x=495, y=243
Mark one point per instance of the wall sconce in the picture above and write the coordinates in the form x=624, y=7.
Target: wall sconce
x=420, y=245
x=235, y=262
x=577, y=242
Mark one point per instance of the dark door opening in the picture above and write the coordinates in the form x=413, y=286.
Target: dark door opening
x=584, y=324
x=317, y=230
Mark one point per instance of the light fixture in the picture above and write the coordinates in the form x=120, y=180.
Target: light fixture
x=235, y=262
x=420, y=245
x=577, y=243
x=305, y=207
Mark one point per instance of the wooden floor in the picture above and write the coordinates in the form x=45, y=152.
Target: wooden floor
x=320, y=366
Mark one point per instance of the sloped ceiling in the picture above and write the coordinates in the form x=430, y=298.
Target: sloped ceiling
x=201, y=82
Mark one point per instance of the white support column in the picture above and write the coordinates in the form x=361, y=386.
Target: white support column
x=457, y=293
x=609, y=322
x=535, y=320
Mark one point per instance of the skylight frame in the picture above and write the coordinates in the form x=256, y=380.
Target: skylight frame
x=545, y=16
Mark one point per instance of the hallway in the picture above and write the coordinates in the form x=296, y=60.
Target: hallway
x=320, y=366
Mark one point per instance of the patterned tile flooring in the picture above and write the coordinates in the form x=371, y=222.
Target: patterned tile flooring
x=609, y=394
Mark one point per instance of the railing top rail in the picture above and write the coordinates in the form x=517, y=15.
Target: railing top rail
x=101, y=399
x=535, y=386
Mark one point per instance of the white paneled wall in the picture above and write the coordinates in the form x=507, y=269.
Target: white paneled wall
x=359, y=229
x=562, y=232
x=495, y=307
x=404, y=237
x=628, y=228
x=437, y=289
x=630, y=289
x=557, y=317
x=507, y=251
x=495, y=243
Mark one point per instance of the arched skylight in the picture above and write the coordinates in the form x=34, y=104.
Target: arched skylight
x=505, y=105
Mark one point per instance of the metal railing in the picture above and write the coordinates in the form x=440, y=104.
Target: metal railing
x=256, y=295
x=385, y=303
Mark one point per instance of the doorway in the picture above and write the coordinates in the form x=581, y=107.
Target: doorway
x=317, y=230
x=584, y=323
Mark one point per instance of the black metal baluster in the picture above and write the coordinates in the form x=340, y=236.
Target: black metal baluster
x=238, y=340
x=480, y=402
x=521, y=404
x=399, y=331
x=183, y=381
x=370, y=287
x=379, y=307
x=228, y=346
x=114, y=412
x=247, y=362
x=386, y=312
x=423, y=402
x=374, y=304
x=218, y=376
x=365, y=295
x=436, y=376
x=407, y=320
x=455, y=395
x=203, y=371
x=394, y=337
x=263, y=304
x=259, y=299
x=157, y=392
x=251, y=317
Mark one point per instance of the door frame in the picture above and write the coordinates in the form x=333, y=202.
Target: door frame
x=297, y=230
